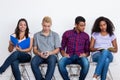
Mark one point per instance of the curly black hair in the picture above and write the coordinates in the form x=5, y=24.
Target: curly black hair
x=17, y=30
x=110, y=26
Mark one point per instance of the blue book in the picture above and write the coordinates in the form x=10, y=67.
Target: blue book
x=23, y=44
x=14, y=40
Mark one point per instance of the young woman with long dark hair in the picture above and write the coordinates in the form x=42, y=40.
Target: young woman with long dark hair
x=20, y=51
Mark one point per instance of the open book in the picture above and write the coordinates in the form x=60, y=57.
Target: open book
x=23, y=44
x=110, y=48
x=100, y=49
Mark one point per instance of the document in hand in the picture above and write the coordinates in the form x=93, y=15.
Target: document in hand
x=23, y=44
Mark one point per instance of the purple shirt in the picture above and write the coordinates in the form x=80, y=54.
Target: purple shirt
x=75, y=43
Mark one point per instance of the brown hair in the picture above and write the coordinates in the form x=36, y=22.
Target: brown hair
x=17, y=30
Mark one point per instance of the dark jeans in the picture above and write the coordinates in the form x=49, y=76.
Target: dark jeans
x=35, y=64
x=82, y=61
x=14, y=59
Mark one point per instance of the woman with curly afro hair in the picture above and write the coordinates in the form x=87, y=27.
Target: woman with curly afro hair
x=103, y=44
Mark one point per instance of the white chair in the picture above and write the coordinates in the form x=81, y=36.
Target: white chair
x=109, y=75
x=23, y=70
x=73, y=71
x=42, y=68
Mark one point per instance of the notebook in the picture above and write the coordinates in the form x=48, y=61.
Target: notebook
x=23, y=44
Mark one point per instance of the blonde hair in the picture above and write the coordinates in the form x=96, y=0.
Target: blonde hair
x=47, y=19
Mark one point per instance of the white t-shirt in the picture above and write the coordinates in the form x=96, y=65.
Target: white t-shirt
x=103, y=41
x=30, y=35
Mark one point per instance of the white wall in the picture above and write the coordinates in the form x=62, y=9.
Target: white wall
x=63, y=13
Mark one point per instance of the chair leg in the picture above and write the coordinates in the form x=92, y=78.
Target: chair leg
x=53, y=78
x=110, y=75
x=22, y=71
x=27, y=77
x=11, y=77
x=78, y=71
x=43, y=72
x=70, y=71
x=27, y=74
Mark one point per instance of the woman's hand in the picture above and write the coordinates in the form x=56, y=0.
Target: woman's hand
x=18, y=48
x=111, y=48
x=11, y=43
x=10, y=47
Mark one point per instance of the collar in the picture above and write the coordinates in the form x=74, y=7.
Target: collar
x=76, y=31
x=41, y=33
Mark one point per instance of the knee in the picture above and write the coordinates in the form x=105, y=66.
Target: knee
x=62, y=61
x=34, y=62
x=15, y=63
x=105, y=52
x=52, y=58
x=107, y=61
x=85, y=62
x=15, y=54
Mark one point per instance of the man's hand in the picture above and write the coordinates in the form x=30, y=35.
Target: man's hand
x=44, y=55
x=83, y=55
x=47, y=54
x=41, y=54
x=66, y=55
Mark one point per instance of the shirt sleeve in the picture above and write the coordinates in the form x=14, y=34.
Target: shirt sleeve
x=64, y=41
x=57, y=41
x=94, y=35
x=35, y=41
x=113, y=37
x=87, y=45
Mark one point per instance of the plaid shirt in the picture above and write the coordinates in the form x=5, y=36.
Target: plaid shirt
x=75, y=43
